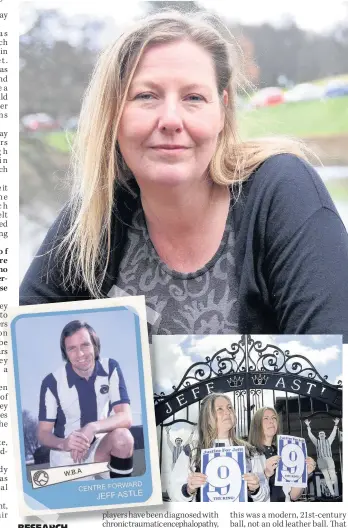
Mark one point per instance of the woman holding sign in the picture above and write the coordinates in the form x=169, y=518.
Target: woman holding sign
x=263, y=435
x=217, y=428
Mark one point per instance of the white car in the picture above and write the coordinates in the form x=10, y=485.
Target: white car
x=37, y=122
x=304, y=92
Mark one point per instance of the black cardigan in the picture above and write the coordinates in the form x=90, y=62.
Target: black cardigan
x=291, y=253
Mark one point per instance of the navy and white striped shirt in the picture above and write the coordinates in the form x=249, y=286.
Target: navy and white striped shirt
x=324, y=448
x=70, y=401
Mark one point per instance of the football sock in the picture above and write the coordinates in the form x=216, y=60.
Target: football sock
x=120, y=467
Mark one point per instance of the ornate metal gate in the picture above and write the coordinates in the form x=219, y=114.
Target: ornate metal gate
x=257, y=375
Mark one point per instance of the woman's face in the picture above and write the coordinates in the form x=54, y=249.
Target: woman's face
x=225, y=418
x=269, y=424
x=173, y=116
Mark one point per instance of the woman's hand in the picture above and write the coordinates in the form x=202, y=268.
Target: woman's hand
x=310, y=463
x=195, y=481
x=271, y=465
x=252, y=480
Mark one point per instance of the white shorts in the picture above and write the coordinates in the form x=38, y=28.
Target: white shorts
x=326, y=463
x=63, y=458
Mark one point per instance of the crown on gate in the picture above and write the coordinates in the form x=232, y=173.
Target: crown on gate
x=235, y=381
x=259, y=379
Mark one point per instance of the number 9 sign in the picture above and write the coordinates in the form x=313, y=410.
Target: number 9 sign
x=292, y=467
x=224, y=468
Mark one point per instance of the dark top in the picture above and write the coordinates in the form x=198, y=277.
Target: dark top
x=276, y=492
x=291, y=253
x=202, y=302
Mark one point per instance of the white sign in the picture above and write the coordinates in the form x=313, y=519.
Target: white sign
x=292, y=468
x=224, y=467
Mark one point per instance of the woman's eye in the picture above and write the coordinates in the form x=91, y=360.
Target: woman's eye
x=144, y=96
x=195, y=98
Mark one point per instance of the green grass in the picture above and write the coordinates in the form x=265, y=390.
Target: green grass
x=60, y=140
x=301, y=119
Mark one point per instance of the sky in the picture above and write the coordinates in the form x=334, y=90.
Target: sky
x=324, y=352
x=311, y=14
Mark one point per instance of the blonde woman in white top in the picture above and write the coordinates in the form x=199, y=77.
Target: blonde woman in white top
x=216, y=427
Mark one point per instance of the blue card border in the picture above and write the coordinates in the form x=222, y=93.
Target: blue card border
x=66, y=495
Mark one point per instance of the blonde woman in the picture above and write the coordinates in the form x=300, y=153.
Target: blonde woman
x=216, y=428
x=263, y=435
x=221, y=235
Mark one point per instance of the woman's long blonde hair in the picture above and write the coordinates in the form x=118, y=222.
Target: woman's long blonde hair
x=207, y=431
x=97, y=163
x=256, y=435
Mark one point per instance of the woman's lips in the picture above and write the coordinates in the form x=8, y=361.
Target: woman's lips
x=169, y=147
x=170, y=150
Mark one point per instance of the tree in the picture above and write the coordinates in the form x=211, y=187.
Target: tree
x=340, y=32
x=56, y=58
x=31, y=442
x=248, y=65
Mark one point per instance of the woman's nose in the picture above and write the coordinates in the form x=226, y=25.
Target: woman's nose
x=170, y=119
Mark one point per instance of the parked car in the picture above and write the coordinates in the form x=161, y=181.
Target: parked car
x=336, y=89
x=304, y=92
x=267, y=96
x=41, y=121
